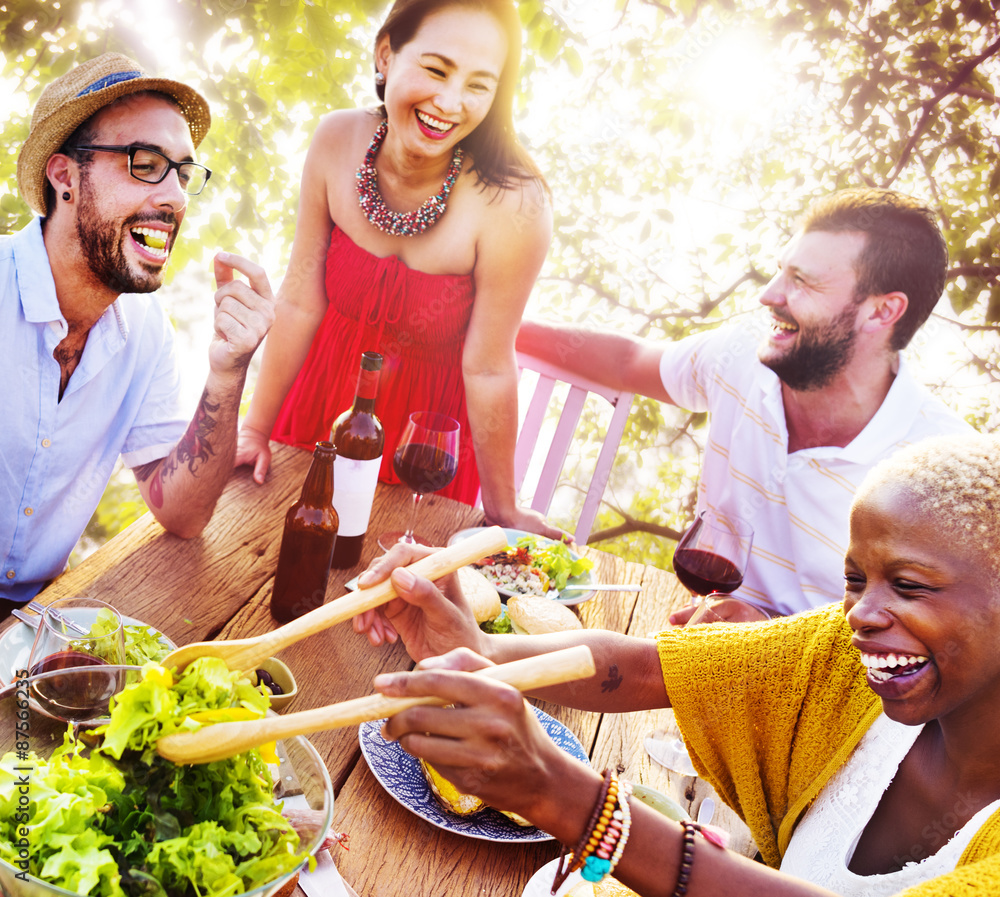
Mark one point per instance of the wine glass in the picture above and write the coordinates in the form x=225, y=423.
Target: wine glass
x=426, y=460
x=712, y=556
x=710, y=560
x=87, y=637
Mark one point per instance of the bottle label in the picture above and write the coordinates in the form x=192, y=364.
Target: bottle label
x=353, y=493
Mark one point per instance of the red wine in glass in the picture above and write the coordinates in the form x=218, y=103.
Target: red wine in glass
x=81, y=694
x=713, y=554
x=424, y=468
x=426, y=460
x=703, y=572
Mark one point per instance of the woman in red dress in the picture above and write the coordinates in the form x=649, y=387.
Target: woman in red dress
x=436, y=285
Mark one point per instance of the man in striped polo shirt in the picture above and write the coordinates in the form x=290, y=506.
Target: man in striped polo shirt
x=800, y=411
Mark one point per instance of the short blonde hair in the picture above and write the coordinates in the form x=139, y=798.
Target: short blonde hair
x=957, y=480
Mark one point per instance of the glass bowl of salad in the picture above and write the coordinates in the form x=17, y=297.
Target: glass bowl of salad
x=103, y=814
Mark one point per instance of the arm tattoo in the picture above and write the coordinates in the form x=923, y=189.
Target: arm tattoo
x=143, y=472
x=194, y=447
x=614, y=680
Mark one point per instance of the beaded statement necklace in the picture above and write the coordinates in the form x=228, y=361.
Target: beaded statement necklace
x=401, y=224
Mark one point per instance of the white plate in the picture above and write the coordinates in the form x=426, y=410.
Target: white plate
x=572, y=596
x=540, y=884
x=16, y=642
x=400, y=774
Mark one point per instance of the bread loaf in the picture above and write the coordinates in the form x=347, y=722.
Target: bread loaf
x=480, y=593
x=535, y=615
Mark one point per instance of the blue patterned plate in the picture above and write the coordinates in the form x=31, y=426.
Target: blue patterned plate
x=400, y=775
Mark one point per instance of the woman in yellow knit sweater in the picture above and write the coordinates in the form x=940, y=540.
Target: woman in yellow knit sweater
x=861, y=744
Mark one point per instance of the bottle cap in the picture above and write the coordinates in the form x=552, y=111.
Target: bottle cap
x=371, y=361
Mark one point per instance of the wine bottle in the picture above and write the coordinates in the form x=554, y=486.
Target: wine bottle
x=307, y=542
x=358, y=436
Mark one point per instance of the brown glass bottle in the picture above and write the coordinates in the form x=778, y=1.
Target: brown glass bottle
x=358, y=436
x=307, y=542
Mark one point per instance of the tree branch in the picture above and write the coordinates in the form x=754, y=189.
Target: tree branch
x=633, y=525
x=989, y=272
x=933, y=102
x=969, y=328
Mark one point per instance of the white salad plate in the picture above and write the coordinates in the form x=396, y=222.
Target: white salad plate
x=567, y=596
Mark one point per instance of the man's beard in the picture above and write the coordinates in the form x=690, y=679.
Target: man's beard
x=819, y=353
x=101, y=245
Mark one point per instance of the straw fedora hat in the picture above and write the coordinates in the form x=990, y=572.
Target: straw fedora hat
x=69, y=101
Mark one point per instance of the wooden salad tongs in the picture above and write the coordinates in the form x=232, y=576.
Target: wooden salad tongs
x=221, y=740
x=245, y=653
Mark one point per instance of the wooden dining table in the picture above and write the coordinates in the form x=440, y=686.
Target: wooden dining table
x=218, y=586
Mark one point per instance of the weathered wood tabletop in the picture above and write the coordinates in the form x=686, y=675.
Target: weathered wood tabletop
x=219, y=585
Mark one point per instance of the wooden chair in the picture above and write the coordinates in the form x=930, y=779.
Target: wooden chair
x=528, y=438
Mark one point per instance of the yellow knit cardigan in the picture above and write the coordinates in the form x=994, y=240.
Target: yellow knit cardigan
x=770, y=712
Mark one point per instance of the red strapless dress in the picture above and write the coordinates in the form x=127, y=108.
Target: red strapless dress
x=417, y=322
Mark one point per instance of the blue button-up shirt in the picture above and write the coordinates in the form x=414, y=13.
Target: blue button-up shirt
x=56, y=457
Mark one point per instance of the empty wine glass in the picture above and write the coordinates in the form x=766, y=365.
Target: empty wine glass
x=426, y=460
x=78, y=634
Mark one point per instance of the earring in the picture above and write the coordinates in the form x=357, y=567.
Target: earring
x=66, y=196
x=379, y=79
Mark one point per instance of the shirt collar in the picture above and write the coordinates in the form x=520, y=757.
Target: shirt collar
x=38, y=290
x=34, y=275
x=895, y=416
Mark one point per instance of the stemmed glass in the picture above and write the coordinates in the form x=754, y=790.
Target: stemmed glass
x=87, y=637
x=710, y=560
x=712, y=556
x=426, y=460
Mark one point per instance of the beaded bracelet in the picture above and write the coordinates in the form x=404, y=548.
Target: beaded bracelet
x=563, y=868
x=626, y=828
x=687, y=859
x=709, y=833
x=605, y=827
x=609, y=851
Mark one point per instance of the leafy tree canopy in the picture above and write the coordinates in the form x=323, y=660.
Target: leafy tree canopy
x=681, y=139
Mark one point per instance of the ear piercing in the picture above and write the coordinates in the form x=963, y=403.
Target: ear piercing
x=379, y=79
x=66, y=196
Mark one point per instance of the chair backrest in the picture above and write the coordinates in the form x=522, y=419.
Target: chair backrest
x=527, y=440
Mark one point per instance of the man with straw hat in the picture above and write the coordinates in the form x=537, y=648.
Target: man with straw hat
x=87, y=360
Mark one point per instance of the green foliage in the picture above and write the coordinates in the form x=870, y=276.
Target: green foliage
x=674, y=183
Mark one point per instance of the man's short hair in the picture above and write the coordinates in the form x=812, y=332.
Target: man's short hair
x=904, y=249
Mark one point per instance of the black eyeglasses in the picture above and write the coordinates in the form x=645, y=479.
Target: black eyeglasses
x=151, y=167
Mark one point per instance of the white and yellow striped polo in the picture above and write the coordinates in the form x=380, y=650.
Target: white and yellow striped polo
x=797, y=503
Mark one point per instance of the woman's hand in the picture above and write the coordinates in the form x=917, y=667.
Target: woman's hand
x=723, y=610
x=253, y=447
x=428, y=620
x=487, y=743
x=533, y=522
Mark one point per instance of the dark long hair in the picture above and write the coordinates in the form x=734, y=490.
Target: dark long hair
x=498, y=158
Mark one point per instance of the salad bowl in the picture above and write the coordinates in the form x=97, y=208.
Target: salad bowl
x=28, y=737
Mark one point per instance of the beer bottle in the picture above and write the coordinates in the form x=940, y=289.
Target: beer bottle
x=307, y=542
x=358, y=437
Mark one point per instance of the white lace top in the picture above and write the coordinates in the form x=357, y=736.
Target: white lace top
x=825, y=838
